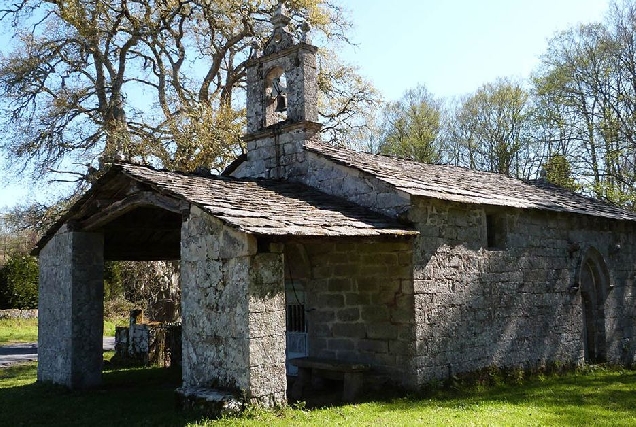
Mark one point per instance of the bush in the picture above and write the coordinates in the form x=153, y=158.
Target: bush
x=19, y=282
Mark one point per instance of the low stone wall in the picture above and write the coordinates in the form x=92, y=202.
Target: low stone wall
x=149, y=344
x=18, y=314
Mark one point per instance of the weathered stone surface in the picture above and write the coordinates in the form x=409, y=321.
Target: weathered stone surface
x=477, y=307
x=339, y=306
x=70, y=318
x=214, y=403
x=234, y=324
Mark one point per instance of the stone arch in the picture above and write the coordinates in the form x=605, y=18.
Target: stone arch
x=594, y=282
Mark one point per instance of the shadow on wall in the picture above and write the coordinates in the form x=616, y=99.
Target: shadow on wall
x=521, y=308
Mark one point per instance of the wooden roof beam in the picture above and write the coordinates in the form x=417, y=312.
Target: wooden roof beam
x=132, y=202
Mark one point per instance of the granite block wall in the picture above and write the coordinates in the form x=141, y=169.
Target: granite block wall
x=353, y=185
x=359, y=303
x=278, y=152
x=516, y=304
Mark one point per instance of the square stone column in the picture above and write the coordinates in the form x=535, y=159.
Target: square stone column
x=71, y=309
x=233, y=306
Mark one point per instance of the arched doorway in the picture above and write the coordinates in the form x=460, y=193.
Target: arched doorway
x=594, y=283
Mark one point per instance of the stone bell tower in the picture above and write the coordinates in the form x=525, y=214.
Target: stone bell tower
x=282, y=103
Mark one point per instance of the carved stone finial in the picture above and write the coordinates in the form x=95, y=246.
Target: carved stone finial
x=281, y=38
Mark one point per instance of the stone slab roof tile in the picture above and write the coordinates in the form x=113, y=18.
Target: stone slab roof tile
x=268, y=207
x=463, y=185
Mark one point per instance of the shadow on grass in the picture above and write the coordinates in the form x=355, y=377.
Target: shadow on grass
x=145, y=397
x=133, y=397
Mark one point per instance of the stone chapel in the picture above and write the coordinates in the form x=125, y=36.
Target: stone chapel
x=300, y=248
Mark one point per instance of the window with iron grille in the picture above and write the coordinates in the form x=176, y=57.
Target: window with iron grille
x=296, y=318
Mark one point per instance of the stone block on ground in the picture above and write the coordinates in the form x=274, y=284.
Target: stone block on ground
x=212, y=402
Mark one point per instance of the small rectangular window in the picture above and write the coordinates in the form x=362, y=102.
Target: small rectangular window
x=496, y=233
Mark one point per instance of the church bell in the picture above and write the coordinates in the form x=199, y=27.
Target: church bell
x=281, y=103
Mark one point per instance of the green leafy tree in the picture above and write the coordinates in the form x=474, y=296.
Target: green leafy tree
x=587, y=86
x=411, y=125
x=559, y=172
x=489, y=130
x=19, y=282
x=113, y=283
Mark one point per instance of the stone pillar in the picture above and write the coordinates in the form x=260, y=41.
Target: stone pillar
x=232, y=302
x=71, y=309
x=267, y=374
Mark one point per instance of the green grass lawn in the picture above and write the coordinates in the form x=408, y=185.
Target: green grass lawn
x=26, y=330
x=18, y=330
x=140, y=397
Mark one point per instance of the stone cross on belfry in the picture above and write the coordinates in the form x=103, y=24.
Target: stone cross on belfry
x=280, y=18
x=305, y=28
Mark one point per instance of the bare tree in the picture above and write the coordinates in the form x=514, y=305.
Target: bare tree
x=156, y=81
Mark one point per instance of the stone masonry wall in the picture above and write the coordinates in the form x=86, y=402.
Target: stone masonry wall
x=359, y=302
x=277, y=152
x=70, y=323
x=354, y=185
x=14, y=313
x=280, y=154
x=233, y=311
x=477, y=306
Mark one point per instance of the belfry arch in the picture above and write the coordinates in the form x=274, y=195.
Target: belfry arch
x=594, y=283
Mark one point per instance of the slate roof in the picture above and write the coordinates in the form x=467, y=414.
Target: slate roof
x=463, y=185
x=267, y=207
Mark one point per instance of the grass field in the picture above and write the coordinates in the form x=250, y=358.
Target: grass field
x=145, y=397
x=26, y=330
x=18, y=330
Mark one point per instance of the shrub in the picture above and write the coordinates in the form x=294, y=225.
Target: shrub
x=19, y=282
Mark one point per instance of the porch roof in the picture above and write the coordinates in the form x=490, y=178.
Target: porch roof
x=133, y=198
x=269, y=207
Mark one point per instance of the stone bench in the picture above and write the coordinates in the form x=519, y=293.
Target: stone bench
x=352, y=375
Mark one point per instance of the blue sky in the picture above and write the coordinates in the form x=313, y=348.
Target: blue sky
x=455, y=46
x=450, y=46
